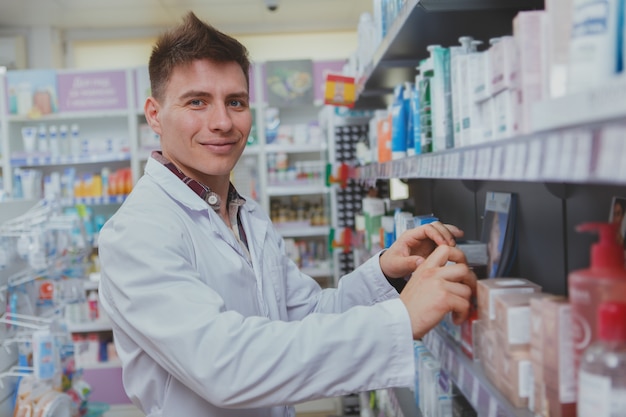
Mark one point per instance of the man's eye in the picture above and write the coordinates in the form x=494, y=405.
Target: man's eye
x=196, y=102
x=236, y=103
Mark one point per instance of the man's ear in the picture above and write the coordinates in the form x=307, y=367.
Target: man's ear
x=151, y=111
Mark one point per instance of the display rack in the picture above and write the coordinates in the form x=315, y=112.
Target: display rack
x=391, y=402
x=563, y=171
x=469, y=377
x=584, y=148
x=420, y=24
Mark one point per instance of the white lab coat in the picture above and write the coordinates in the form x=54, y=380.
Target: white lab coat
x=203, y=332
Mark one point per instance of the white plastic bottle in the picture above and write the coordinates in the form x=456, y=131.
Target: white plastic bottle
x=94, y=311
x=75, y=140
x=64, y=147
x=602, y=373
x=42, y=140
x=53, y=141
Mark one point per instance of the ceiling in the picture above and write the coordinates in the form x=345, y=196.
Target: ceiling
x=231, y=16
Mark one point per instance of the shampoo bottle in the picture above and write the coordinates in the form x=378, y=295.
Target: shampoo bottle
x=426, y=121
x=602, y=375
x=604, y=280
x=398, y=123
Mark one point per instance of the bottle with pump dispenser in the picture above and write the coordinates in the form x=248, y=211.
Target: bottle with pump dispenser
x=602, y=374
x=604, y=280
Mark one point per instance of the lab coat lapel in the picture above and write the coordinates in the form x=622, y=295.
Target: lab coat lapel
x=256, y=230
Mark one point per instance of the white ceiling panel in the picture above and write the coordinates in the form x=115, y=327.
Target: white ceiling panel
x=233, y=16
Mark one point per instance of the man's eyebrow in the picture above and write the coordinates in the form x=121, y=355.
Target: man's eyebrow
x=194, y=93
x=241, y=94
x=200, y=93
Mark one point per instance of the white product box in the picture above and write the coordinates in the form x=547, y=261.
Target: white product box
x=530, y=37
x=480, y=73
x=504, y=65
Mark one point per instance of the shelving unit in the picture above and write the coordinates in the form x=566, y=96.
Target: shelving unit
x=398, y=402
x=108, y=126
x=434, y=22
x=469, y=377
x=124, y=123
x=566, y=154
x=565, y=172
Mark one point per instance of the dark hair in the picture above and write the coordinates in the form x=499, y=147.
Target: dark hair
x=190, y=41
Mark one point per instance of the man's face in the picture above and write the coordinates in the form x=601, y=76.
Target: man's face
x=204, y=119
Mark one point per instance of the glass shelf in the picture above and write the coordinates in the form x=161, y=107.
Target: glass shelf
x=305, y=231
x=100, y=325
x=297, y=189
x=94, y=201
x=46, y=160
x=589, y=154
x=469, y=377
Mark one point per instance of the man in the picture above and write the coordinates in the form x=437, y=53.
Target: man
x=210, y=317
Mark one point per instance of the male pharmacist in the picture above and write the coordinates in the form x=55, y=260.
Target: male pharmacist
x=210, y=317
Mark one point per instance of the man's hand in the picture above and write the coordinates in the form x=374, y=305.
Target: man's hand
x=414, y=245
x=436, y=288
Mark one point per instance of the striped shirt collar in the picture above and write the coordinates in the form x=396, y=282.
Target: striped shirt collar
x=235, y=201
x=203, y=191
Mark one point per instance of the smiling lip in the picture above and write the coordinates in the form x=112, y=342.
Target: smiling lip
x=219, y=147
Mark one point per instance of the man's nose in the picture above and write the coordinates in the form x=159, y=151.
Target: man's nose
x=219, y=118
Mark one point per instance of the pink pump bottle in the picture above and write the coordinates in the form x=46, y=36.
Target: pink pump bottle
x=604, y=280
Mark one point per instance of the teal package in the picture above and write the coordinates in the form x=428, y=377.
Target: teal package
x=426, y=132
x=406, y=103
x=398, y=123
x=443, y=132
x=415, y=116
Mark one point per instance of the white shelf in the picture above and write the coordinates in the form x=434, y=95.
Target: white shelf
x=70, y=116
x=570, y=155
x=299, y=189
x=20, y=159
x=469, y=377
x=296, y=148
x=94, y=201
x=306, y=231
x=317, y=272
x=602, y=104
x=101, y=325
x=252, y=149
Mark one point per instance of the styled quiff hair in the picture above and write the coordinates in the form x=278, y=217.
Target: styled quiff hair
x=191, y=41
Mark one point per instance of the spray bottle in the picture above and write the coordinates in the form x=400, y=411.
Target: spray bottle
x=604, y=280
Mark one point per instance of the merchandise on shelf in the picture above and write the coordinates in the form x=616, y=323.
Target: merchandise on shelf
x=602, y=374
x=604, y=280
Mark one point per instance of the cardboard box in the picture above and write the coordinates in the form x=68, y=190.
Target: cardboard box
x=558, y=356
x=515, y=374
x=536, y=320
x=468, y=328
x=540, y=402
x=513, y=321
x=489, y=352
x=488, y=289
x=557, y=408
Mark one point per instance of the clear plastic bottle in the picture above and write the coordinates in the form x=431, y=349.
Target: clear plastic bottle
x=604, y=280
x=602, y=373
